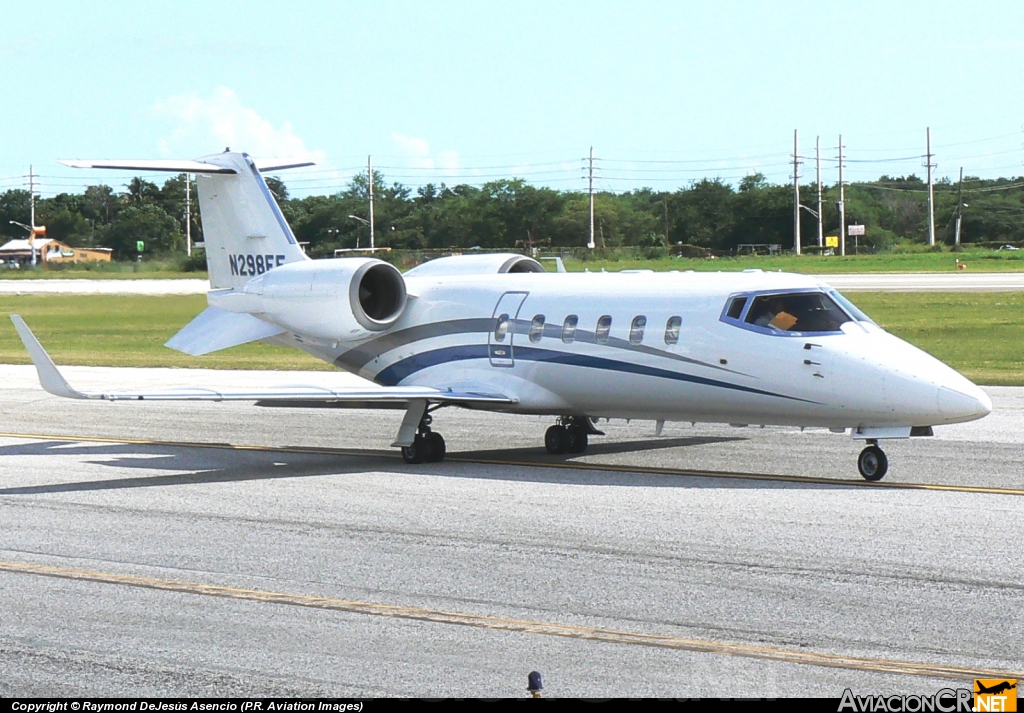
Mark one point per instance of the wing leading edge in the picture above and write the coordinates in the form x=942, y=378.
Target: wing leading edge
x=54, y=382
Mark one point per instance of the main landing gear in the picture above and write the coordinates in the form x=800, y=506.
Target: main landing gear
x=872, y=462
x=569, y=435
x=427, y=446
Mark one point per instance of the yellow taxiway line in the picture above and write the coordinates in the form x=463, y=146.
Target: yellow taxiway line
x=516, y=625
x=565, y=465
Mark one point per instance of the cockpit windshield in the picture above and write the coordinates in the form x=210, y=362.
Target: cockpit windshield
x=797, y=312
x=850, y=307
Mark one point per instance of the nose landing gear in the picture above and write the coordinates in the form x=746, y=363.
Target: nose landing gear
x=872, y=462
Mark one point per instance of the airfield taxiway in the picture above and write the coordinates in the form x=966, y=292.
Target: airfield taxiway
x=135, y=560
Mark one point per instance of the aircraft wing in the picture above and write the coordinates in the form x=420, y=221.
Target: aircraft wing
x=299, y=395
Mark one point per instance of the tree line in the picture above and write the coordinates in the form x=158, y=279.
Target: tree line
x=707, y=215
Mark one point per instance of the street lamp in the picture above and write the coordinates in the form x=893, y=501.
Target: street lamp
x=31, y=238
x=365, y=222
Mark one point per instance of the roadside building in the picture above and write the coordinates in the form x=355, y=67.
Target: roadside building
x=19, y=252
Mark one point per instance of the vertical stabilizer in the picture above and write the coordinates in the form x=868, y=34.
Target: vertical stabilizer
x=243, y=227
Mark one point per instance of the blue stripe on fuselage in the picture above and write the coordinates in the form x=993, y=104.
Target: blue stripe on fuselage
x=400, y=370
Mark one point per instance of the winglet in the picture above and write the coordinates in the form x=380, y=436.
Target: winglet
x=49, y=377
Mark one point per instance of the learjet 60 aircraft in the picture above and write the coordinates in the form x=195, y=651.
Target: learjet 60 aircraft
x=497, y=332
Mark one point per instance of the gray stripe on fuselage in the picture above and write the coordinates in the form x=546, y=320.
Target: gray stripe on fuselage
x=356, y=359
x=365, y=353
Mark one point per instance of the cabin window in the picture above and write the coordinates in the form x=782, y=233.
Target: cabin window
x=501, y=328
x=636, y=329
x=537, y=328
x=672, y=330
x=736, y=307
x=604, y=328
x=798, y=312
x=569, y=328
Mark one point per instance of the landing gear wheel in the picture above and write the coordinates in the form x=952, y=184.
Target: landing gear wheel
x=556, y=440
x=414, y=454
x=872, y=463
x=433, y=448
x=577, y=438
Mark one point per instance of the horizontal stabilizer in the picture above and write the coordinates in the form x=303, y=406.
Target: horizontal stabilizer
x=215, y=329
x=187, y=166
x=173, y=166
x=280, y=164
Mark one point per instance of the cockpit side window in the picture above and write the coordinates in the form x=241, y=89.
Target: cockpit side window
x=736, y=307
x=797, y=312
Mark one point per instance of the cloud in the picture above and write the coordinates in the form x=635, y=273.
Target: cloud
x=207, y=124
x=417, y=152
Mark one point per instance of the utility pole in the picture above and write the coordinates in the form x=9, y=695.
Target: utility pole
x=931, y=198
x=590, y=182
x=664, y=204
x=188, y=214
x=369, y=177
x=32, y=214
x=796, y=195
x=817, y=148
x=842, y=202
x=959, y=207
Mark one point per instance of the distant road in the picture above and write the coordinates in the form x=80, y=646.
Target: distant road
x=875, y=282
x=929, y=282
x=104, y=287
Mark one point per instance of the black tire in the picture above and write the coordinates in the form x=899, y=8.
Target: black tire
x=433, y=448
x=414, y=454
x=872, y=463
x=556, y=439
x=577, y=440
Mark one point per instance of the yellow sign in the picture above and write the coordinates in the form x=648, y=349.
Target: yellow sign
x=831, y=241
x=995, y=694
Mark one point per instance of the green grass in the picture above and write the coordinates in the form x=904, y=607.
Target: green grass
x=127, y=330
x=979, y=334
x=977, y=261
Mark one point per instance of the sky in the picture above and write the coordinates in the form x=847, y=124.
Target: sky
x=452, y=92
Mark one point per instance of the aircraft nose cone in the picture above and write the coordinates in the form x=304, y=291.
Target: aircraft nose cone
x=956, y=406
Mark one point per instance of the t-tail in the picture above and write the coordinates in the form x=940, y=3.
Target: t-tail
x=245, y=234
x=243, y=227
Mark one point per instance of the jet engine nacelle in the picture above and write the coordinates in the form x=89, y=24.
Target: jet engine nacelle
x=329, y=300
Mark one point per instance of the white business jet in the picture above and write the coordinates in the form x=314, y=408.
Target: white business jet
x=496, y=332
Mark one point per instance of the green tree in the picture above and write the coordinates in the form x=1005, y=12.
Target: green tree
x=149, y=223
x=14, y=205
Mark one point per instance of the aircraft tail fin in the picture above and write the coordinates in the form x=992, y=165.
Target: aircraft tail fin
x=215, y=329
x=245, y=232
x=243, y=227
